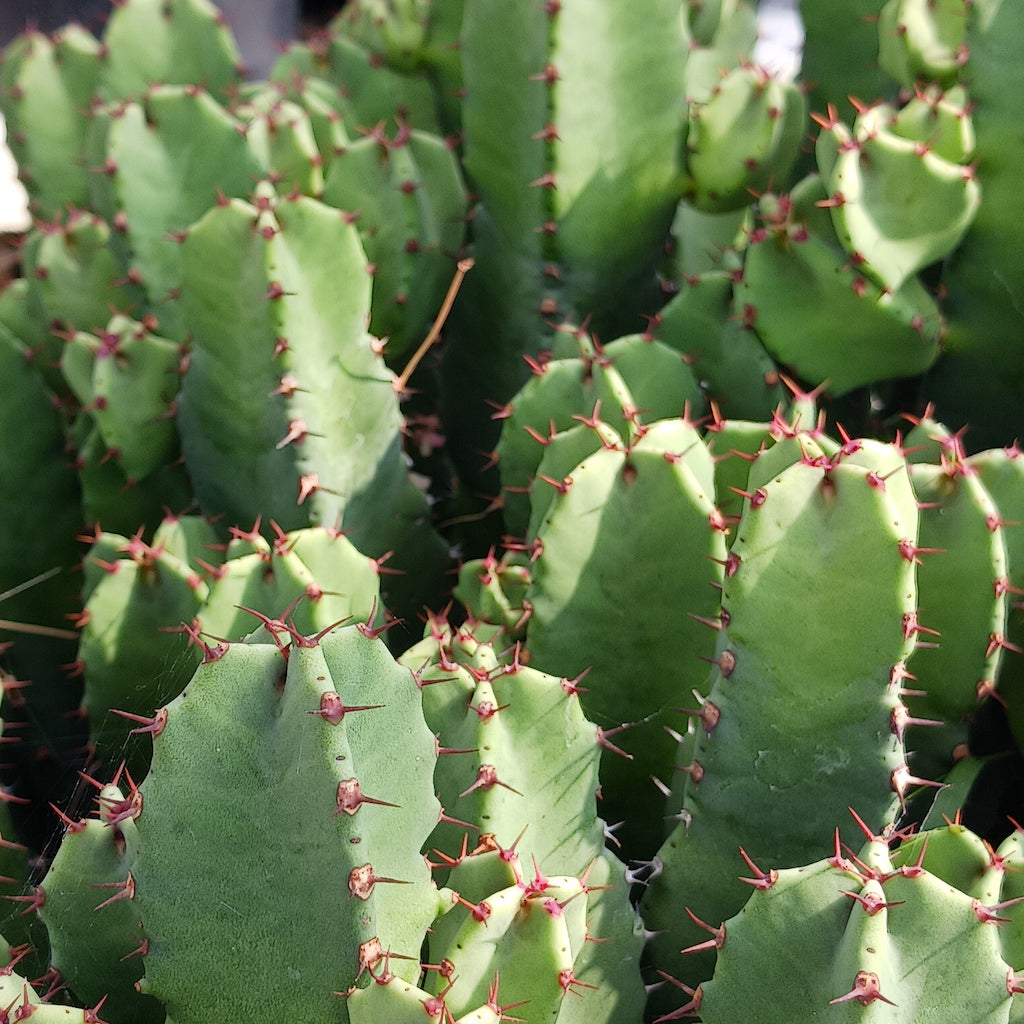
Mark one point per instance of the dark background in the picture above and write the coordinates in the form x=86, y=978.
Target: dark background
x=260, y=26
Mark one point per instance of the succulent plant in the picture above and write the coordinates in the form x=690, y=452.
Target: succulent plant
x=539, y=323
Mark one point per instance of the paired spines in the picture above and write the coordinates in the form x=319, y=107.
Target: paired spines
x=883, y=927
x=754, y=774
x=355, y=875
x=144, y=600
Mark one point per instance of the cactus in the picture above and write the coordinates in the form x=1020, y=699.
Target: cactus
x=127, y=379
x=139, y=590
x=209, y=431
x=533, y=805
x=983, y=315
x=573, y=206
x=299, y=707
x=20, y=998
x=101, y=964
x=742, y=138
x=142, y=592
x=581, y=619
x=740, y=785
x=962, y=538
x=880, y=942
x=49, y=84
x=408, y=202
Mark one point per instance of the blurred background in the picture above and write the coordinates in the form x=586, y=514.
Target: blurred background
x=263, y=27
x=260, y=26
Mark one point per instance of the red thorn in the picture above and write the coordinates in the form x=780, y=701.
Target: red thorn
x=762, y=879
x=690, y=1009
x=492, y=993
x=572, y=686
x=989, y=915
x=487, y=778
x=909, y=551
x=569, y=982
x=717, y=940
x=33, y=901
x=694, y=769
x=126, y=890
x=865, y=990
x=91, y=1015
x=445, y=969
x=154, y=726
x=209, y=653
x=917, y=868
x=901, y=718
x=372, y=632
x=868, y=834
x=709, y=714
x=333, y=711
x=481, y=911
x=350, y=798
x=712, y=623
x=871, y=901
x=603, y=739
x=912, y=626
x=901, y=780
x=362, y=879
x=113, y=812
x=486, y=709
x=142, y=949
x=996, y=641
x=72, y=825
x=756, y=499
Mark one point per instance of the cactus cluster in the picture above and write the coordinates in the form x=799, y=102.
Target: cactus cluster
x=708, y=501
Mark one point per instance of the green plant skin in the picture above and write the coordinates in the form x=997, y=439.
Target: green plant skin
x=630, y=381
x=575, y=200
x=980, y=377
x=408, y=201
x=132, y=652
x=586, y=609
x=96, y=961
x=168, y=42
x=767, y=773
x=46, y=87
x=926, y=948
x=245, y=858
